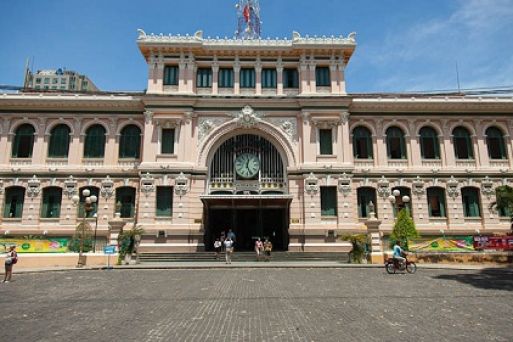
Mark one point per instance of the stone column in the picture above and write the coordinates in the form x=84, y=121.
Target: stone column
x=482, y=149
x=376, y=237
x=236, y=77
x=192, y=68
x=279, y=77
x=4, y=138
x=149, y=145
x=341, y=78
x=333, y=77
x=346, y=139
x=182, y=85
x=115, y=227
x=75, y=151
x=450, y=158
x=304, y=77
x=313, y=82
x=215, y=78
x=258, y=77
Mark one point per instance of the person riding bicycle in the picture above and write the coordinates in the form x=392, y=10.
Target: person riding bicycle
x=398, y=254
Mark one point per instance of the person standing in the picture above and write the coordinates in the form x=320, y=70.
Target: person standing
x=228, y=246
x=231, y=235
x=10, y=259
x=268, y=247
x=259, y=247
x=217, y=247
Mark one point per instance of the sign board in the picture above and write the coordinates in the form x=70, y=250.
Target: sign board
x=502, y=243
x=109, y=249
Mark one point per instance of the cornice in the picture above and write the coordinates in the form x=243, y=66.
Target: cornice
x=433, y=104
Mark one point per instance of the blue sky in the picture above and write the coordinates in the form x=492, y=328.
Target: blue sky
x=403, y=45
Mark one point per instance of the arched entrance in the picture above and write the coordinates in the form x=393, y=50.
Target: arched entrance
x=247, y=192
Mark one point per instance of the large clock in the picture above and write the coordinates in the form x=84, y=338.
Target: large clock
x=247, y=165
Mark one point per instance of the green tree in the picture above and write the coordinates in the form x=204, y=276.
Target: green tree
x=359, y=242
x=503, y=200
x=404, y=228
x=82, y=240
x=127, y=241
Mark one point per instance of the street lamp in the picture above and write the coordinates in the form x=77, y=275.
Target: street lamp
x=393, y=198
x=89, y=201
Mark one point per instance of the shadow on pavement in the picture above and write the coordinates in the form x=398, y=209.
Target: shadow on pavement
x=488, y=278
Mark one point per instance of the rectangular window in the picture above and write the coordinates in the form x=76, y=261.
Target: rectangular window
x=167, y=143
x=328, y=201
x=269, y=78
x=225, y=78
x=63, y=81
x=322, y=76
x=290, y=78
x=38, y=87
x=164, y=201
x=171, y=75
x=471, y=205
x=204, y=78
x=38, y=80
x=247, y=78
x=47, y=80
x=366, y=199
x=436, y=202
x=51, y=207
x=325, y=141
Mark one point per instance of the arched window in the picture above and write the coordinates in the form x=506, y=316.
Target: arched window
x=471, y=202
x=429, y=146
x=495, y=143
x=52, y=197
x=362, y=143
x=396, y=146
x=14, y=199
x=23, y=143
x=94, y=146
x=81, y=208
x=366, y=196
x=125, y=201
x=130, y=142
x=59, y=142
x=462, y=143
x=436, y=202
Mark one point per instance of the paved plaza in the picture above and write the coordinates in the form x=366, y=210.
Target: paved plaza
x=258, y=305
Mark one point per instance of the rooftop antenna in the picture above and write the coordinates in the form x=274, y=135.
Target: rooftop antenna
x=458, y=77
x=248, y=19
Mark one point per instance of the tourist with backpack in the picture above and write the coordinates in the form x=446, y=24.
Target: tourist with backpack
x=10, y=259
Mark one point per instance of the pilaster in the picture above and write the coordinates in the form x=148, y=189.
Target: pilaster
x=236, y=77
x=215, y=77
x=279, y=77
x=258, y=78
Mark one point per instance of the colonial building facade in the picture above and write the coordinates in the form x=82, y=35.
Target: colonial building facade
x=258, y=136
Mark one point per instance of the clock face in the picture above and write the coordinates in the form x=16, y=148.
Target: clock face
x=247, y=165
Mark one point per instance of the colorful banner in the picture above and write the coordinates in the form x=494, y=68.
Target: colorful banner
x=45, y=245
x=442, y=244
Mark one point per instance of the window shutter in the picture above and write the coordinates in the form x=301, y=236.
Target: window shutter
x=168, y=141
x=164, y=201
x=328, y=201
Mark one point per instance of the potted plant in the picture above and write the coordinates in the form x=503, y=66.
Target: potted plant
x=128, y=241
x=359, y=243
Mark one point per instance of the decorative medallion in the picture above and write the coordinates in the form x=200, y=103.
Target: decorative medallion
x=181, y=184
x=107, y=189
x=34, y=186
x=247, y=117
x=344, y=184
x=287, y=125
x=487, y=187
x=418, y=187
x=311, y=184
x=383, y=187
x=147, y=184
x=207, y=124
x=70, y=186
x=452, y=187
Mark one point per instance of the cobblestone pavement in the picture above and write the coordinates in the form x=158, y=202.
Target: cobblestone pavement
x=258, y=305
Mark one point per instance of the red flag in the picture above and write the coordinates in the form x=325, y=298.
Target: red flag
x=245, y=13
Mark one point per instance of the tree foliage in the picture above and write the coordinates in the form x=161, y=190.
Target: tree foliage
x=404, y=228
x=504, y=200
x=359, y=242
x=82, y=239
x=126, y=241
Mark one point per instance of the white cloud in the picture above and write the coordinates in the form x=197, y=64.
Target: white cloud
x=478, y=34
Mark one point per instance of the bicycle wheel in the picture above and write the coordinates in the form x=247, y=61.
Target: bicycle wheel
x=411, y=268
x=390, y=268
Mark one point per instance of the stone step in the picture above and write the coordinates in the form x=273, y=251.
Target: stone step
x=241, y=256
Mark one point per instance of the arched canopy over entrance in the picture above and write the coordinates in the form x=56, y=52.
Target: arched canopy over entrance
x=247, y=192
x=247, y=164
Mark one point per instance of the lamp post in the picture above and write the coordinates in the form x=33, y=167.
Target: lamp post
x=89, y=201
x=393, y=199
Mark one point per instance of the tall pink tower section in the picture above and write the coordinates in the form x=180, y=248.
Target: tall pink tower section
x=248, y=18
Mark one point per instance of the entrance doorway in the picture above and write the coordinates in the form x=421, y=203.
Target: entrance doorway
x=248, y=222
